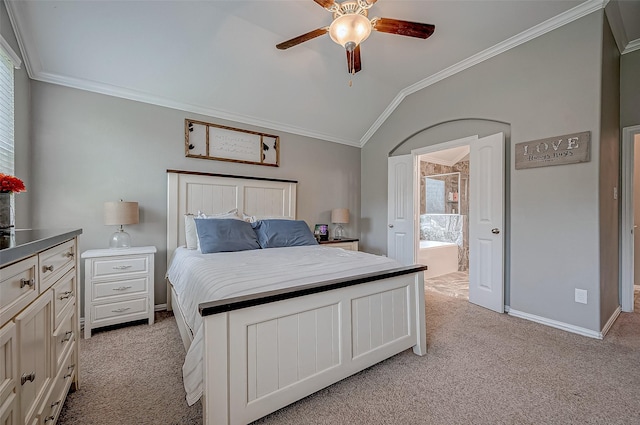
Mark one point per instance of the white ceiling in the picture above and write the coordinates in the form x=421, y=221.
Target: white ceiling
x=218, y=58
x=448, y=157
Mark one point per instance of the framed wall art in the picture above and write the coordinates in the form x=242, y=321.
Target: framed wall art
x=212, y=141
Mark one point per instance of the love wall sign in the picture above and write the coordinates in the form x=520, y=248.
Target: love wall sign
x=568, y=149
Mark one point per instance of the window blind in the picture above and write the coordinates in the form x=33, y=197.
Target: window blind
x=6, y=114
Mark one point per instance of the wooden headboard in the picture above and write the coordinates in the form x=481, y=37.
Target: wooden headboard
x=190, y=192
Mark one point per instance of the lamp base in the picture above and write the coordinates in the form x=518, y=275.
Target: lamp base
x=338, y=232
x=120, y=239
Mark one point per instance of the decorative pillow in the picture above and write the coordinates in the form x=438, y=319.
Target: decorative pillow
x=190, y=233
x=225, y=235
x=279, y=233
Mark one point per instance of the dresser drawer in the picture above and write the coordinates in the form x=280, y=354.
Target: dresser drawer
x=63, y=295
x=55, y=262
x=64, y=336
x=9, y=410
x=108, y=267
x=8, y=362
x=18, y=287
x=109, y=311
x=59, y=389
x=106, y=290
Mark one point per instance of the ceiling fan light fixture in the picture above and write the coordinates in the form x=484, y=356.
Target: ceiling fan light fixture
x=350, y=28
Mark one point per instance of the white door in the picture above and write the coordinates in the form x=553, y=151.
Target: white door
x=401, y=227
x=486, y=222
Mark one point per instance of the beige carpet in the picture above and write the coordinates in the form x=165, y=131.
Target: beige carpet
x=481, y=368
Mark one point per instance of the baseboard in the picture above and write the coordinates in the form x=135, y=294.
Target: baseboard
x=157, y=307
x=610, y=322
x=560, y=325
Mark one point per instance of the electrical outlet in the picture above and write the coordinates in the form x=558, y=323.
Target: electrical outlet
x=581, y=296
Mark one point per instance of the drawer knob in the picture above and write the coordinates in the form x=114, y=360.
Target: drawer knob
x=121, y=309
x=68, y=375
x=49, y=418
x=55, y=403
x=123, y=267
x=71, y=366
x=122, y=288
x=47, y=268
x=27, y=282
x=27, y=377
x=69, y=254
x=67, y=336
x=65, y=295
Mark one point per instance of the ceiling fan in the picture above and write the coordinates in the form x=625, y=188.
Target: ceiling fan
x=351, y=26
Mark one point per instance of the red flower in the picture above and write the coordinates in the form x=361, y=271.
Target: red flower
x=9, y=184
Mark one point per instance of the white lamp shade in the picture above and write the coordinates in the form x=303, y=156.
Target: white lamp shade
x=340, y=215
x=119, y=213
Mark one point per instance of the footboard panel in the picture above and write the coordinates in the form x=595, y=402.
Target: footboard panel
x=280, y=352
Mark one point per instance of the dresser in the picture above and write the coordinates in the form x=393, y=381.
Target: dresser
x=39, y=324
x=344, y=243
x=118, y=286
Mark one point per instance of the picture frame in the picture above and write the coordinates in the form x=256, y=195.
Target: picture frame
x=321, y=232
x=205, y=140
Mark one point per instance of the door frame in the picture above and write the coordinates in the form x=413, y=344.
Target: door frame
x=626, y=222
x=416, y=172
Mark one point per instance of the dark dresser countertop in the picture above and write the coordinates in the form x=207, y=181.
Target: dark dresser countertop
x=24, y=243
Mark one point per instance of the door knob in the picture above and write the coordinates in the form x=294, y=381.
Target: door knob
x=391, y=226
x=495, y=230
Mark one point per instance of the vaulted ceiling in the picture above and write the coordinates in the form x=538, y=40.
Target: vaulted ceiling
x=218, y=58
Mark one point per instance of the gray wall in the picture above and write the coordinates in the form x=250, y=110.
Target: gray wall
x=22, y=125
x=630, y=89
x=90, y=148
x=546, y=87
x=609, y=176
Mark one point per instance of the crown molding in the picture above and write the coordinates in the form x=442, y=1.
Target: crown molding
x=15, y=59
x=137, y=96
x=569, y=16
x=25, y=42
x=632, y=46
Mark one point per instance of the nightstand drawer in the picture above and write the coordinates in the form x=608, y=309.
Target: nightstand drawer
x=106, y=290
x=18, y=286
x=119, y=266
x=55, y=262
x=105, y=312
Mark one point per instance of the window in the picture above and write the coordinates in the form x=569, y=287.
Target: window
x=8, y=60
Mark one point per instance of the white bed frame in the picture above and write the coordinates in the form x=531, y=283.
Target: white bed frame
x=260, y=358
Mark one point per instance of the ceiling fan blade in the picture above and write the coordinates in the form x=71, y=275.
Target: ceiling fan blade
x=406, y=28
x=355, y=64
x=325, y=3
x=302, y=38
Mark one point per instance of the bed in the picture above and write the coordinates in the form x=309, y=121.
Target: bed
x=260, y=351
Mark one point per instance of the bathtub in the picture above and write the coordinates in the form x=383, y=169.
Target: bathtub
x=440, y=257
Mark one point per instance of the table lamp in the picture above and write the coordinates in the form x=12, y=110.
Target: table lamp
x=119, y=214
x=339, y=216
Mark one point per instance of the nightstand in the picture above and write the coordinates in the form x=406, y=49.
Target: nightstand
x=118, y=286
x=344, y=243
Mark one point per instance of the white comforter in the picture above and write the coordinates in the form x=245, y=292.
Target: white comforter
x=198, y=278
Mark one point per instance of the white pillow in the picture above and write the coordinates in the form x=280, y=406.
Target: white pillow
x=229, y=214
x=190, y=232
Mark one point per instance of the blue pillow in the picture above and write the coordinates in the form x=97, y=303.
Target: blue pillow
x=225, y=235
x=281, y=233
